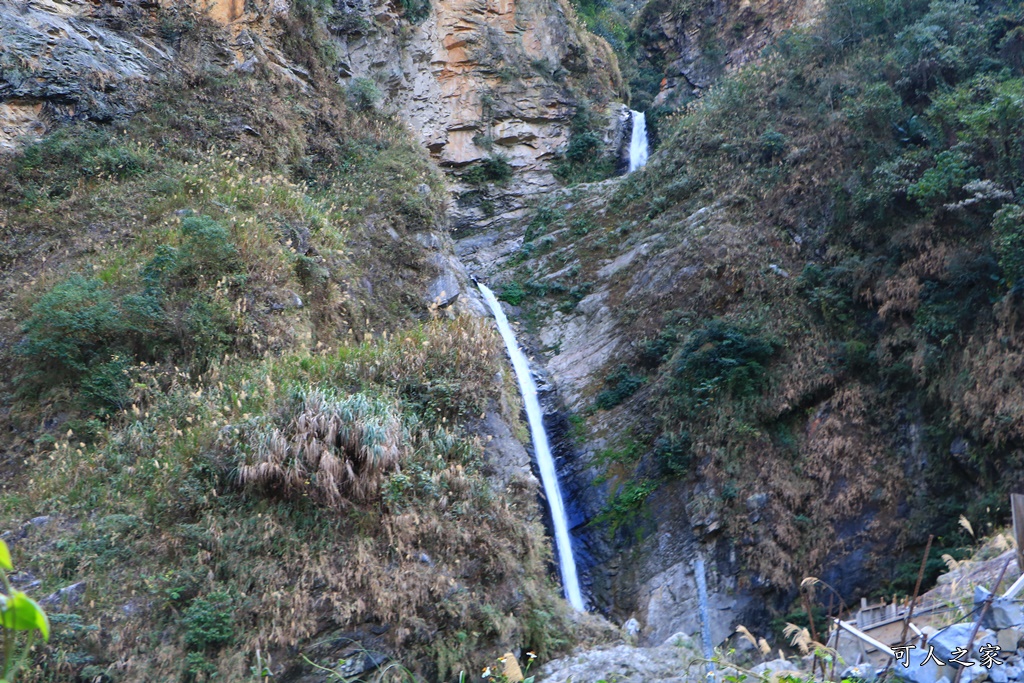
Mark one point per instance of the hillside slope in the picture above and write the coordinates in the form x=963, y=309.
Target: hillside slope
x=251, y=413
x=790, y=342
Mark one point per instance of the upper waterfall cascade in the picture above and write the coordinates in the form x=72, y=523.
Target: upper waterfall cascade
x=638, y=141
x=545, y=462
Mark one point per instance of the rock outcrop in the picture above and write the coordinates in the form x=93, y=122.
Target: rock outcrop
x=65, y=59
x=675, y=661
x=483, y=78
x=694, y=41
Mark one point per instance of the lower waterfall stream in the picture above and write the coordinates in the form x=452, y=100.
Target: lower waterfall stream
x=545, y=461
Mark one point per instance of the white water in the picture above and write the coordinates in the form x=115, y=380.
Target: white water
x=638, y=141
x=545, y=463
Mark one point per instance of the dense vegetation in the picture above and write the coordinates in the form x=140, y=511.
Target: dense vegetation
x=242, y=434
x=834, y=236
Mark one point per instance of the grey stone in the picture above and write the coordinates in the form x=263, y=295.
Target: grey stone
x=997, y=674
x=859, y=672
x=1002, y=613
x=757, y=501
x=627, y=664
x=360, y=663
x=776, y=666
x=1008, y=639
x=946, y=641
x=681, y=639
x=69, y=595
x=631, y=627
x=80, y=66
x=444, y=290
x=930, y=672
x=24, y=581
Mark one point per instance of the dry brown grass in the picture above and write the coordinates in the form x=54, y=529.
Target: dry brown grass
x=337, y=448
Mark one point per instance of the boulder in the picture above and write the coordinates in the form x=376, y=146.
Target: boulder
x=69, y=595
x=360, y=663
x=1008, y=639
x=1002, y=613
x=628, y=664
x=930, y=672
x=859, y=672
x=777, y=668
x=944, y=643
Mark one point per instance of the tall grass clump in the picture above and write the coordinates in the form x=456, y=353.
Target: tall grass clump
x=333, y=447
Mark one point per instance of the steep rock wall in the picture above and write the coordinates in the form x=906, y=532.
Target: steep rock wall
x=693, y=41
x=478, y=78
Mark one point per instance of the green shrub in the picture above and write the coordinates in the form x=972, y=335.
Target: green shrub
x=621, y=385
x=363, y=94
x=721, y=358
x=829, y=291
x=513, y=293
x=672, y=451
x=209, y=621
x=207, y=251
x=494, y=169
x=584, y=159
x=944, y=181
x=625, y=504
x=79, y=333
x=771, y=145
x=210, y=325
x=1008, y=241
x=416, y=10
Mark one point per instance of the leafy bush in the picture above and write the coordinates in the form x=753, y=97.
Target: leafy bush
x=210, y=328
x=80, y=333
x=513, y=293
x=621, y=385
x=207, y=251
x=941, y=183
x=672, y=450
x=721, y=359
x=653, y=352
x=829, y=291
x=584, y=160
x=363, y=94
x=209, y=621
x=771, y=145
x=1008, y=241
x=416, y=10
x=623, y=507
x=83, y=333
x=493, y=169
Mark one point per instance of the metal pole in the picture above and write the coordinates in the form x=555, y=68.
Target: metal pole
x=917, y=591
x=981, y=617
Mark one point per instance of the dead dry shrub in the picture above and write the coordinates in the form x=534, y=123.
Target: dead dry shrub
x=336, y=448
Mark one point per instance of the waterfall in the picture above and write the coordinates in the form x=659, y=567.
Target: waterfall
x=638, y=141
x=545, y=463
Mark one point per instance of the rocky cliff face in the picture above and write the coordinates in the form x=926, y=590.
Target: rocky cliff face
x=67, y=60
x=692, y=42
x=653, y=580
x=483, y=78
